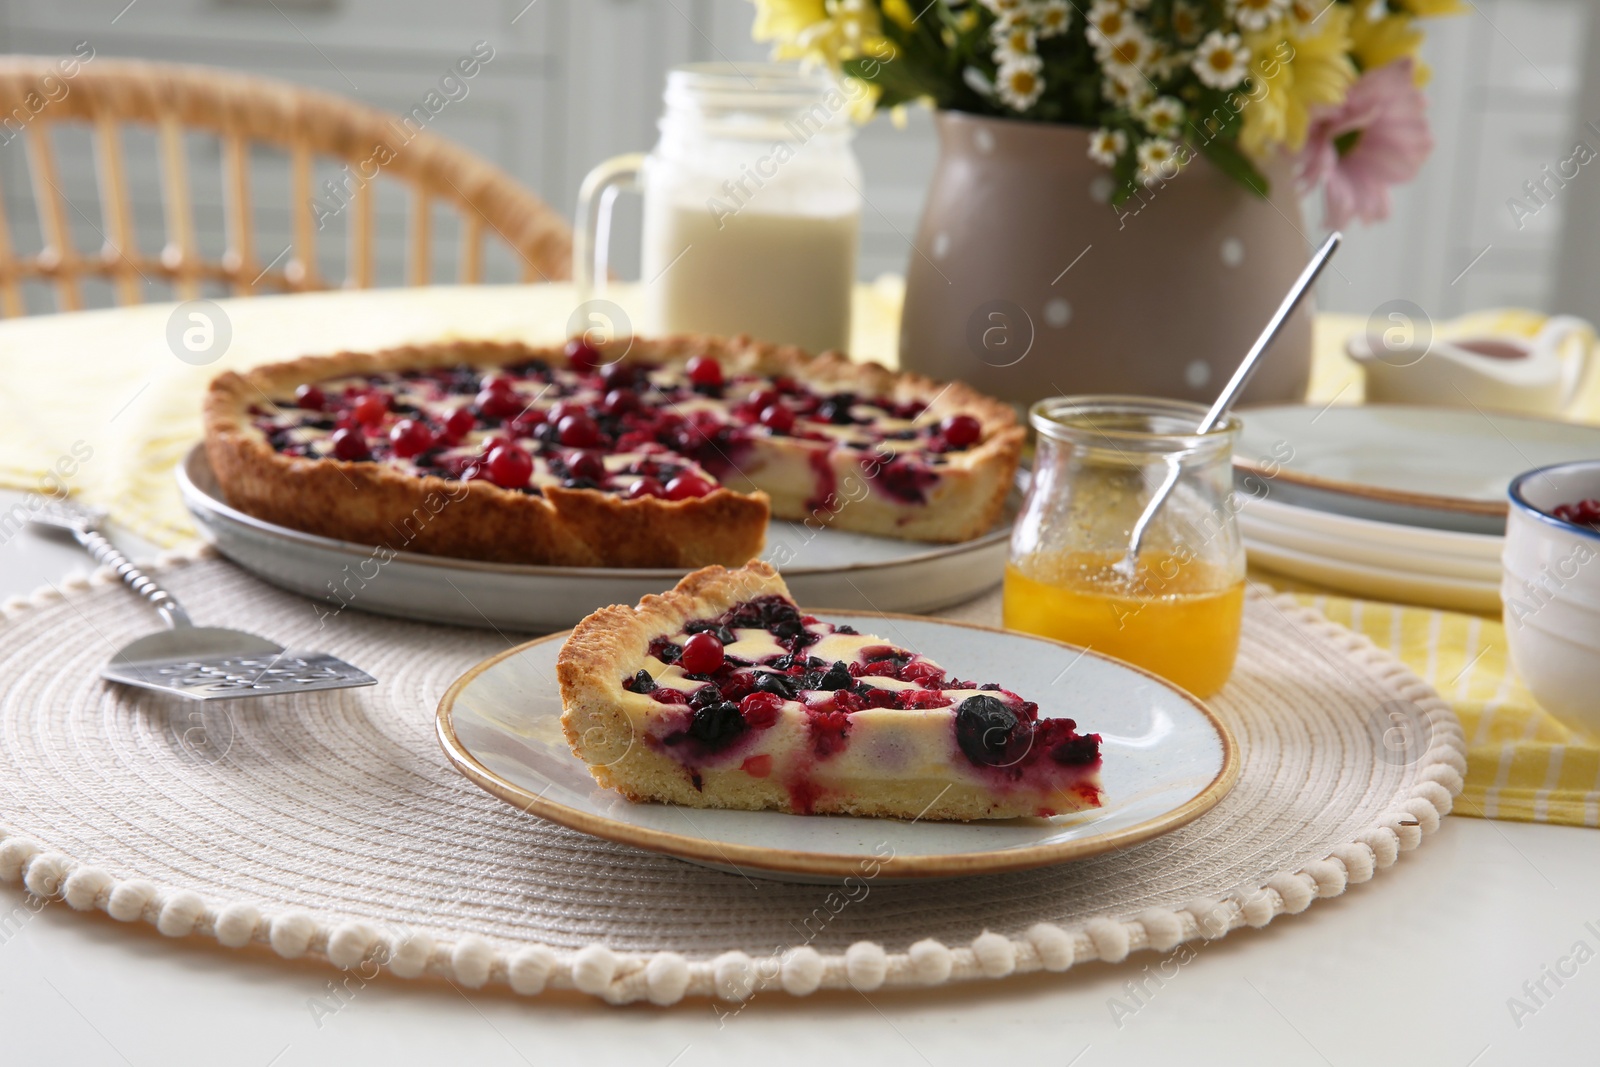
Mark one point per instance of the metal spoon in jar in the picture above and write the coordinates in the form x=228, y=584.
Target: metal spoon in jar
x=1128, y=565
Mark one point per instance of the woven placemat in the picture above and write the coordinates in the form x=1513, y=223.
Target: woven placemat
x=330, y=825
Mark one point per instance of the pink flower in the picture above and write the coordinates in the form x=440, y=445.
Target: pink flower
x=1377, y=138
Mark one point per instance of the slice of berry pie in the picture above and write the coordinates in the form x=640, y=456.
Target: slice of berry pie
x=722, y=693
x=668, y=453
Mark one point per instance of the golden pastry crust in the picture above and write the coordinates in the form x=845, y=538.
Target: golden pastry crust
x=372, y=503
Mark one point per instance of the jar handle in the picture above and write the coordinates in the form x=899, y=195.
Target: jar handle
x=591, y=241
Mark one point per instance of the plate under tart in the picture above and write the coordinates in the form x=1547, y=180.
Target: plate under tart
x=837, y=567
x=1446, y=468
x=1167, y=760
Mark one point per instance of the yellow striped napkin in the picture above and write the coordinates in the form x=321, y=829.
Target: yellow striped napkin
x=1521, y=763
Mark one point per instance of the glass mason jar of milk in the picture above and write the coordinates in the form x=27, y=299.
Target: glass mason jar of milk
x=752, y=207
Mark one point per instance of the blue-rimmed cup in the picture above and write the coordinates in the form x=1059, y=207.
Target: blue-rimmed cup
x=1551, y=592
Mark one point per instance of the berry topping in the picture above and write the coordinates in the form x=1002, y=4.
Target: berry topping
x=349, y=445
x=961, y=431
x=702, y=654
x=582, y=355
x=641, y=682
x=760, y=710
x=619, y=402
x=777, y=418
x=579, y=431
x=498, y=403
x=587, y=465
x=459, y=424
x=370, y=409
x=509, y=467
x=837, y=676
x=687, y=486
x=716, y=723
x=984, y=729
x=643, y=487
x=703, y=370
x=410, y=437
x=311, y=398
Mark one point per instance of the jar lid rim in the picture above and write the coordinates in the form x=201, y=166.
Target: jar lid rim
x=1046, y=417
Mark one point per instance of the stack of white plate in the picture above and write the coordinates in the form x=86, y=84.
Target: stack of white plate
x=1391, y=502
x=1380, y=560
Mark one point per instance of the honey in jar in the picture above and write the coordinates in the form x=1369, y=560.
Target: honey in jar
x=1176, y=617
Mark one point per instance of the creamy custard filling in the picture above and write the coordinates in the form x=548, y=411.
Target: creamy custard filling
x=636, y=430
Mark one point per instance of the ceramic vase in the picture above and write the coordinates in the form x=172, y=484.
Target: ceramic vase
x=1027, y=282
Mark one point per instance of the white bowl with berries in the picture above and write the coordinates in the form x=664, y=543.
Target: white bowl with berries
x=1551, y=589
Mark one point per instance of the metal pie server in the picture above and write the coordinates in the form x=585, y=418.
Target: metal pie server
x=197, y=662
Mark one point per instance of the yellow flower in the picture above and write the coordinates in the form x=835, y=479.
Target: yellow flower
x=1292, y=70
x=1379, y=42
x=1433, y=8
x=899, y=12
x=827, y=30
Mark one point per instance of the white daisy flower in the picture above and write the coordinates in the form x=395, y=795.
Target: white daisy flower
x=1108, y=22
x=1163, y=116
x=1187, y=22
x=1133, y=97
x=1221, y=61
x=1257, y=14
x=1000, y=7
x=1018, y=83
x=1052, y=17
x=1017, y=42
x=1005, y=20
x=1130, y=59
x=1158, y=161
x=1105, y=146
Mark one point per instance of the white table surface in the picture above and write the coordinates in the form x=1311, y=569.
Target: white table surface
x=1415, y=967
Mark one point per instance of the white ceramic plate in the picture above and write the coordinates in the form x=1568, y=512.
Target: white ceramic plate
x=1167, y=761
x=1423, y=466
x=1417, y=539
x=1377, y=583
x=827, y=568
x=1346, y=550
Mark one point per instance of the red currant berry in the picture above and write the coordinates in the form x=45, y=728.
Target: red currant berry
x=498, y=383
x=562, y=408
x=311, y=398
x=777, y=418
x=702, y=654
x=370, y=409
x=460, y=423
x=688, y=486
x=619, y=376
x=525, y=422
x=620, y=402
x=587, y=465
x=760, y=710
x=579, y=431
x=509, y=467
x=582, y=355
x=643, y=487
x=761, y=399
x=349, y=445
x=961, y=431
x=703, y=370
x=498, y=403
x=410, y=437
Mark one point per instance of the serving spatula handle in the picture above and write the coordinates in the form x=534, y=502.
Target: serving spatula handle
x=100, y=548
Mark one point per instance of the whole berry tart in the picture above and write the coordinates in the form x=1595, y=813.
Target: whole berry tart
x=664, y=453
x=722, y=693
